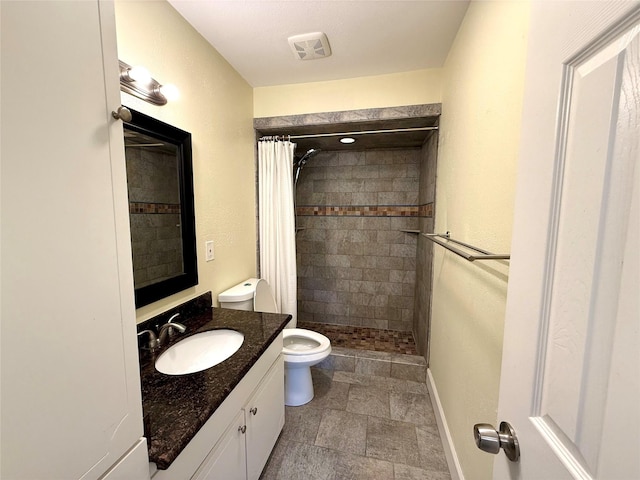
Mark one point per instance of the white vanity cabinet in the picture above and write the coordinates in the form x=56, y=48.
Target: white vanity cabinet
x=264, y=419
x=237, y=440
x=244, y=449
x=228, y=459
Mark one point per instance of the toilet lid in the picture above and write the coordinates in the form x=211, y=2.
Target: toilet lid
x=263, y=300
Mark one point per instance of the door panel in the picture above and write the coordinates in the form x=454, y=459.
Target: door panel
x=590, y=234
x=568, y=368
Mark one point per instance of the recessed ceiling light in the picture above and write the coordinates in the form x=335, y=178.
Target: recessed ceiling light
x=347, y=140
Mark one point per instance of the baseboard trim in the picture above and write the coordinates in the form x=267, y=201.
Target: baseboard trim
x=449, y=450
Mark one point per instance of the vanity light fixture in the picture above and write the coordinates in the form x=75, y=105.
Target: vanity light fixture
x=347, y=140
x=137, y=81
x=137, y=74
x=170, y=92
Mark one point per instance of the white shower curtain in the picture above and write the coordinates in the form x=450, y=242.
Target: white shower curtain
x=277, y=222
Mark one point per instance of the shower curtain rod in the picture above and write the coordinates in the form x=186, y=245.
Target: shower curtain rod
x=342, y=134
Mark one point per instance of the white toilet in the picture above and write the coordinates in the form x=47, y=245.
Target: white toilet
x=302, y=348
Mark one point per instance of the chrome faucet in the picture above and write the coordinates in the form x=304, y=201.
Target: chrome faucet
x=153, y=340
x=167, y=329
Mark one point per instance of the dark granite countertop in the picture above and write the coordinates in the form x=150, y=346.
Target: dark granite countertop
x=176, y=406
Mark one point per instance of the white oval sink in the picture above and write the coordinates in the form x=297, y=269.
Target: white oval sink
x=199, y=352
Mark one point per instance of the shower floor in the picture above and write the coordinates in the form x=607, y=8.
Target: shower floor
x=363, y=338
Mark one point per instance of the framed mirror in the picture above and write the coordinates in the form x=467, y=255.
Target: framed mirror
x=161, y=208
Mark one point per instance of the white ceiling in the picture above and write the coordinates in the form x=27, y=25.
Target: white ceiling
x=367, y=37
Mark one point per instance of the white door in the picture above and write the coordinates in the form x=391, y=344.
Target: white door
x=570, y=383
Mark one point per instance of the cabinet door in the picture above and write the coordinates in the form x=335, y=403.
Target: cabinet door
x=264, y=413
x=227, y=460
x=70, y=376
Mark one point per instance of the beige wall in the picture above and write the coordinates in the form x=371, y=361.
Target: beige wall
x=481, y=91
x=216, y=106
x=479, y=135
x=399, y=89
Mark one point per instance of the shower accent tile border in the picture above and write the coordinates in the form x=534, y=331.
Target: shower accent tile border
x=146, y=207
x=425, y=210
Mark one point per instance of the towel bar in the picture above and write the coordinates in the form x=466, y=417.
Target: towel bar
x=435, y=237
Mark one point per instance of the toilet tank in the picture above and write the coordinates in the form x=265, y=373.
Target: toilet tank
x=239, y=297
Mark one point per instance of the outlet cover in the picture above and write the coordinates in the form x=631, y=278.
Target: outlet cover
x=209, y=250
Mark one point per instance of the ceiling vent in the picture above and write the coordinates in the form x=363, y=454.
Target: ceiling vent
x=310, y=46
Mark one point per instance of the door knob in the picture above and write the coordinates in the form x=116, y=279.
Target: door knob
x=491, y=441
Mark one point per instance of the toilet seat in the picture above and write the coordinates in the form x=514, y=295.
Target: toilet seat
x=314, y=346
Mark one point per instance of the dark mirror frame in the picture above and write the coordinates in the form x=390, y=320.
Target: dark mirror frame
x=182, y=140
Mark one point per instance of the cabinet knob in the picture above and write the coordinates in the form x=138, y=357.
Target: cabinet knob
x=123, y=113
x=242, y=428
x=254, y=410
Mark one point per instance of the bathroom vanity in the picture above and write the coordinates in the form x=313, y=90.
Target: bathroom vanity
x=222, y=422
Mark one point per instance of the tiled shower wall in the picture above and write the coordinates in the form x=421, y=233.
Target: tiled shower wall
x=424, y=248
x=154, y=213
x=356, y=265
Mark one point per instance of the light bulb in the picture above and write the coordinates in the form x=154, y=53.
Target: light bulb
x=139, y=74
x=347, y=140
x=170, y=92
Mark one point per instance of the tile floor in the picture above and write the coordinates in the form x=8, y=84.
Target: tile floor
x=371, y=418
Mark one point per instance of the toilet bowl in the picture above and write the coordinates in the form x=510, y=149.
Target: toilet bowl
x=301, y=348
